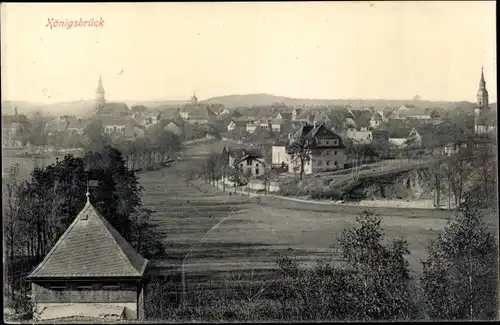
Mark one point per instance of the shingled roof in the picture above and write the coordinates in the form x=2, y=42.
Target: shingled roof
x=91, y=247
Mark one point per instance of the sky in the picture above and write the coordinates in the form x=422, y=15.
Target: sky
x=323, y=50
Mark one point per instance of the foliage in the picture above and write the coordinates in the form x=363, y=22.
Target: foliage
x=22, y=306
x=50, y=200
x=299, y=154
x=329, y=193
x=380, y=278
x=38, y=133
x=460, y=276
x=94, y=139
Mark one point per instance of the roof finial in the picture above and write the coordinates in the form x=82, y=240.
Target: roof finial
x=88, y=191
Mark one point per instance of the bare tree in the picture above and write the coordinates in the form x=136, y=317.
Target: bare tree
x=299, y=154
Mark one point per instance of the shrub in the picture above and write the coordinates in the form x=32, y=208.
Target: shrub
x=328, y=193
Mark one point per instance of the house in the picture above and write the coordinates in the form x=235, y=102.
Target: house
x=305, y=116
x=236, y=124
x=376, y=120
x=359, y=137
x=114, y=109
x=121, y=127
x=278, y=125
x=252, y=126
x=296, y=112
x=197, y=111
x=279, y=155
x=398, y=136
x=431, y=136
x=149, y=119
x=325, y=149
x=284, y=116
x=199, y=119
x=265, y=124
x=172, y=127
x=91, y=271
x=15, y=129
x=251, y=165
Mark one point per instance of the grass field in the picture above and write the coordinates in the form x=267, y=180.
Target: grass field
x=256, y=234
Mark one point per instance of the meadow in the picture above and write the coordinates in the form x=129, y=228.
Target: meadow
x=255, y=234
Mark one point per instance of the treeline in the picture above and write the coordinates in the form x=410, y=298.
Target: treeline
x=364, y=280
x=36, y=212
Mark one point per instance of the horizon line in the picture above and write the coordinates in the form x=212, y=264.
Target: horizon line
x=249, y=94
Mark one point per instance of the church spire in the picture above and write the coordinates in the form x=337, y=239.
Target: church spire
x=482, y=83
x=100, y=98
x=482, y=93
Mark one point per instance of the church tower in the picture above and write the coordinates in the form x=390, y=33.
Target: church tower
x=482, y=93
x=100, y=98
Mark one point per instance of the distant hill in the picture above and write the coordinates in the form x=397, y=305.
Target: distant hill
x=233, y=101
x=84, y=108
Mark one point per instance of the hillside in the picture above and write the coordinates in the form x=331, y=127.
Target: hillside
x=232, y=101
x=83, y=108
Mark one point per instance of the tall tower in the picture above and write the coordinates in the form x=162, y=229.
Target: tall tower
x=100, y=98
x=482, y=93
x=194, y=99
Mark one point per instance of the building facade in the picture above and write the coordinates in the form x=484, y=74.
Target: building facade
x=91, y=271
x=251, y=165
x=485, y=119
x=325, y=150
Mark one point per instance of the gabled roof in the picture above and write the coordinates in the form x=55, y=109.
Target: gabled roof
x=251, y=156
x=114, y=108
x=198, y=110
x=91, y=247
x=312, y=133
x=286, y=115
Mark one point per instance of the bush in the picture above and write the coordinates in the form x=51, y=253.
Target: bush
x=22, y=306
x=328, y=193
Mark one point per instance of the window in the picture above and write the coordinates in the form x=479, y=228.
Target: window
x=335, y=152
x=249, y=162
x=327, y=142
x=336, y=163
x=256, y=171
x=328, y=162
x=320, y=162
x=257, y=165
x=335, y=142
x=241, y=165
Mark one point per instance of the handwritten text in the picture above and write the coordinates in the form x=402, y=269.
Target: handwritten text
x=60, y=23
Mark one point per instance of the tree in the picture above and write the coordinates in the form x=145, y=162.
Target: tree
x=95, y=139
x=299, y=154
x=379, y=278
x=460, y=276
x=38, y=133
x=12, y=229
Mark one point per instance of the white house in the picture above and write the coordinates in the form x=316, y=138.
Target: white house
x=295, y=113
x=231, y=126
x=359, y=137
x=251, y=165
x=251, y=127
x=279, y=155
